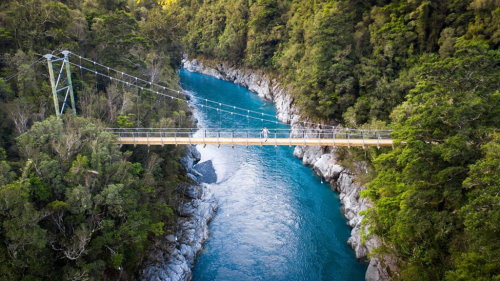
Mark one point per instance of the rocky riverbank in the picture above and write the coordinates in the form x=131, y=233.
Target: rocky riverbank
x=172, y=256
x=322, y=160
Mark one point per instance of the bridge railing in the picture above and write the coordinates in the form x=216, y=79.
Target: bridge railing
x=340, y=133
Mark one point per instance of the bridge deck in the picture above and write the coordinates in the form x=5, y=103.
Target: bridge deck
x=254, y=141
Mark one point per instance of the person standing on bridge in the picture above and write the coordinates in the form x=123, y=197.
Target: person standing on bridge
x=265, y=133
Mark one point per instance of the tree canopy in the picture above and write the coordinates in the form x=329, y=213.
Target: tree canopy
x=427, y=69
x=74, y=205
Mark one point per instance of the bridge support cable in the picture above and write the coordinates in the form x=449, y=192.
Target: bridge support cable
x=138, y=81
x=151, y=84
x=33, y=64
x=144, y=85
x=131, y=84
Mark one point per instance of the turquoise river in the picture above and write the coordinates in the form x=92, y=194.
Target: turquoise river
x=276, y=219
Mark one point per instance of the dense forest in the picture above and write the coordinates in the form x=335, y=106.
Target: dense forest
x=73, y=204
x=427, y=69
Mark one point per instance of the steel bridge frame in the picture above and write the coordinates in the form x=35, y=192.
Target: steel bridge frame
x=62, y=83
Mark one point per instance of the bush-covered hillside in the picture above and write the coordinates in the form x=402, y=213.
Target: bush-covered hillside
x=73, y=205
x=428, y=69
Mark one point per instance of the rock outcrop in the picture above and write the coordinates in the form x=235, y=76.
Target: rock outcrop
x=172, y=256
x=322, y=160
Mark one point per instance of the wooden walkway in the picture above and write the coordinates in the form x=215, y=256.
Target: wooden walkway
x=255, y=141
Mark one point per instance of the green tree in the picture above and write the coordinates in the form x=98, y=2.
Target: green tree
x=419, y=187
x=78, y=204
x=475, y=254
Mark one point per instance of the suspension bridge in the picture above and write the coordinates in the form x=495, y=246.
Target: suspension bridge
x=324, y=135
x=248, y=137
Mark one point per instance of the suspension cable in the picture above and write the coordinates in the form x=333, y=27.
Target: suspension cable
x=137, y=79
x=7, y=79
x=169, y=96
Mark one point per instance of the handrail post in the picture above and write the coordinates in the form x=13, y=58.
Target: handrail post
x=392, y=143
x=304, y=136
x=218, y=139
x=363, y=137
x=275, y=139
x=348, y=139
x=232, y=139
x=334, y=136
x=378, y=140
x=119, y=137
x=147, y=138
x=260, y=137
x=175, y=137
x=162, y=140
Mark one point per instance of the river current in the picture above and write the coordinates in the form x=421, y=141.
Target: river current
x=276, y=219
